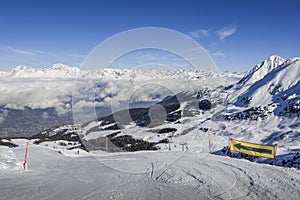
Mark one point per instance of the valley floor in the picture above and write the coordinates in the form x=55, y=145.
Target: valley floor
x=141, y=175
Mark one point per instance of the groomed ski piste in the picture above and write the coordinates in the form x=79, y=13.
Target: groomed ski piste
x=52, y=172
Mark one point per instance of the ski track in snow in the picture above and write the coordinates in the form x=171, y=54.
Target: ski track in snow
x=142, y=175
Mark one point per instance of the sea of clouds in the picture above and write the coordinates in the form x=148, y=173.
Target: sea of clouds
x=65, y=94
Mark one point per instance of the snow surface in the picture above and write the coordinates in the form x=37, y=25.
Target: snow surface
x=273, y=130
x=268, y=83
x=140, y=175
x=60, y=170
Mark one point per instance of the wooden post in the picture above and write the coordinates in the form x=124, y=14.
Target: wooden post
x=26, y=152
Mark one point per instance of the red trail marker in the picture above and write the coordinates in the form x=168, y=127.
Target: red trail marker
x=26, y=152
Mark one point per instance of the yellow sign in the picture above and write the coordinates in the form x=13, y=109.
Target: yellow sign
x=259, y=150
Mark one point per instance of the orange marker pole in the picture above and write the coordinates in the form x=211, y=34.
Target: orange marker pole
x=209, y=141
x=275, y=155
x=26, y=152
x=229, y=149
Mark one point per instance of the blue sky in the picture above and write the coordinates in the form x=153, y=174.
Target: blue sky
x=237, y=34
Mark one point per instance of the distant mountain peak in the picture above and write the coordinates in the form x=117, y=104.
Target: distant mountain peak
x=261, y=70
x=22, y=68
x=271, y=63
x=60, y=66
x=56, y=70
x=276, y=57
x=268, y=65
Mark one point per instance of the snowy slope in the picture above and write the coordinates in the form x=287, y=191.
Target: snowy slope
x=280, y=87
x=260, y=70
x=143, y=175
x=256, y=74
x=270, y=117
x=61, y=169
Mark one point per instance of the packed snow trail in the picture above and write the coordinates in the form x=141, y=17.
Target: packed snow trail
x=144, y=175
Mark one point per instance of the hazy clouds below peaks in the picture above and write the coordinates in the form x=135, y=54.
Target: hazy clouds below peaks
x=63, y=94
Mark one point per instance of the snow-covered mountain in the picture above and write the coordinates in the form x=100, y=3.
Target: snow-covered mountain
x=60, y=70
x=55, y=71
x=185, y=134
x=22, y=70
x=257, y=73
x=275, y=83
x=260, y=70
x=264, y=101
x=272, y=89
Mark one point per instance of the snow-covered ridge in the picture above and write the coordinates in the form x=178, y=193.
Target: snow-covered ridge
x=274, y=85
x=274, y=72
x=64, y=71
x=260, y=70
x=57, y=70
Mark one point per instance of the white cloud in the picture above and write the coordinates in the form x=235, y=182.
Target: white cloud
x=36, y=93
x=21, y=51
x=219, y=54
x=199, y=33
x=115, y=90
x=31, y=52
x=226, y=32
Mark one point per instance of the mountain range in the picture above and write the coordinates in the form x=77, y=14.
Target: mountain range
x=259, y=106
